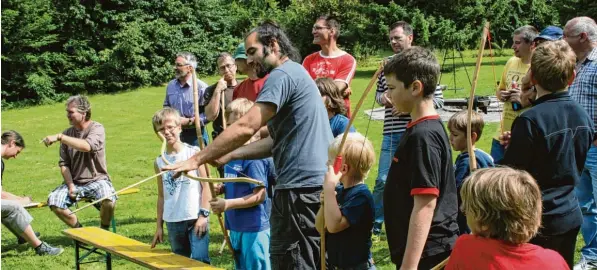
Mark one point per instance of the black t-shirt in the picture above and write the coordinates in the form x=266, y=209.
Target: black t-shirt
x=352, y=245
x=2, y=167
x=218, y=124
x=421, y=165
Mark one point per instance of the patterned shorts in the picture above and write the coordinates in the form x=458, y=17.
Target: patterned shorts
x=94, y=190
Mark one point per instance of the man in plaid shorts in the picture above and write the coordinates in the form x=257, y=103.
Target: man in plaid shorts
x=82, y=164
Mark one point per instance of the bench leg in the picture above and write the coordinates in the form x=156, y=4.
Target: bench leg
x=77, y=265
x=113, y=224
x=108, y=261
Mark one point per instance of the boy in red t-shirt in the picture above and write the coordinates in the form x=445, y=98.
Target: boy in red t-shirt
x=503, y=210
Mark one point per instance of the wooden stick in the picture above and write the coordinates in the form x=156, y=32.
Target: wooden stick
x=471, y=152
x=223, y=106
x=469, y=139
x=202, y=146
x=441, y=265
x=118, y=192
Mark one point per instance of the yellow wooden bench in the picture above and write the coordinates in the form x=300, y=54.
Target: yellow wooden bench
x=129, y=249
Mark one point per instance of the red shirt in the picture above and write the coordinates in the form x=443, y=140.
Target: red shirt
x=475, y=252
x=249, y=89
x=339, y=68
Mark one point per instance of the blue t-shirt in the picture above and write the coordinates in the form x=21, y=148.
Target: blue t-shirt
x=351, y=246
x=300, y=128
x=252, y=219
x=461, y=166
x=338, y=124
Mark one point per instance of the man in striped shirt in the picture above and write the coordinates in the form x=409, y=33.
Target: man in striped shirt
x=401, y=37
x=581, y=35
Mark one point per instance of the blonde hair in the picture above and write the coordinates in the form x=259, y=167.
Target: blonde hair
x=358, y=153
x=552, y=65
x=166, y=113
x=334, y=101
x=505, y=202
x=238, y=107
x=458, y=122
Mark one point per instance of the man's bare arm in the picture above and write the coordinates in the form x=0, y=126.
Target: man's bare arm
x=238, y=133
x=212, y=109
x=79, y=144
x=231, y=138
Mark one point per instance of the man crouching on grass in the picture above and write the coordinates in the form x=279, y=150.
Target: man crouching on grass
x=420, y=203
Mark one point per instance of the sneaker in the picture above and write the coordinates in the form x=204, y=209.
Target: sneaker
x=585, y=264
x=22, y=240
x=45, y=249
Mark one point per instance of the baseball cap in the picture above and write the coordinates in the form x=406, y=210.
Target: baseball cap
x=551, y=33
x=240, y=52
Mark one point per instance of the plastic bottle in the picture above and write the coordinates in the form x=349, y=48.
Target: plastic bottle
x=515, y=105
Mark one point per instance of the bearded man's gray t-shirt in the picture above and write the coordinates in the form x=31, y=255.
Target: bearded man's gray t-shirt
x=300, y=129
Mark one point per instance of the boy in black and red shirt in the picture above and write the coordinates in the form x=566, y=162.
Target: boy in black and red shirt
x=420, y=203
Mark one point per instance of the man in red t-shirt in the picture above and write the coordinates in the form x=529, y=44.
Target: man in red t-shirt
x=251, y=86
x=331, y=61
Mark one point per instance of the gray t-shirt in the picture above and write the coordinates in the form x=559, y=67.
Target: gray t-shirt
x=300, y=129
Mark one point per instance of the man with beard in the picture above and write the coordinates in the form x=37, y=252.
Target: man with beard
x=395, y=122
x=250, y=87
x=179, y=95
x=331, y=62
x=291, y=106
x=82, y=164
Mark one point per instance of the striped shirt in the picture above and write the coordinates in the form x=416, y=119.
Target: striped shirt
x=397, y=124
x=584, y=88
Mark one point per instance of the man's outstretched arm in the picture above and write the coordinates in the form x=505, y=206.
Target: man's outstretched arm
x=232, y=138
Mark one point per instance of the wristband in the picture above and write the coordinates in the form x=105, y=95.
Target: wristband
x=59, y=137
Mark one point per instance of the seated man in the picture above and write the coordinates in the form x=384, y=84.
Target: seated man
x=82, y=164
x=14, y=216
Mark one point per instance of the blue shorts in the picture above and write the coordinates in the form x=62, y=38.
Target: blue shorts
x=251, y=249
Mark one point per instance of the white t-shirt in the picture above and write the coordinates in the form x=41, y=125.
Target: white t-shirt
x=182, y=196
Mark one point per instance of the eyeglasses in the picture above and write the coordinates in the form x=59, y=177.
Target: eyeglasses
x=181, y=65
x=317, y=27
x=226, y=67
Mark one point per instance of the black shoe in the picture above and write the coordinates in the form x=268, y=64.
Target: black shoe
x=45, y=249
x=22, y=240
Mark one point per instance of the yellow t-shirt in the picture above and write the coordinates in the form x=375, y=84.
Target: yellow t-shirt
x=514, y=70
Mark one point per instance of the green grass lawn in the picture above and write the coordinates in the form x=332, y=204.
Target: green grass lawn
x=131, y=149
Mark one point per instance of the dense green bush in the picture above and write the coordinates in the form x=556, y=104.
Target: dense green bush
x=51, y=49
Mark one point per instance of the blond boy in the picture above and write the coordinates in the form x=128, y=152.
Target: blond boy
x=247, y=206
x=182, y=203
x=348, y=208
x=503, y=210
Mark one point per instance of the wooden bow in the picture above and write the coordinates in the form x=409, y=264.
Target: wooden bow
x=338, y=162
x=469, y=140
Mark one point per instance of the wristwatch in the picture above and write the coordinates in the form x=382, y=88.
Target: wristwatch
x=204, y=212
